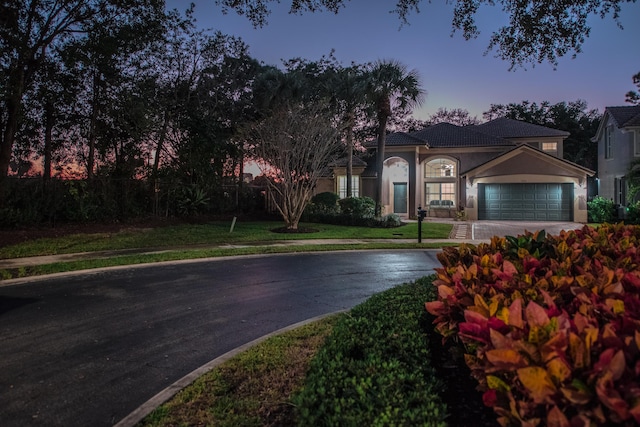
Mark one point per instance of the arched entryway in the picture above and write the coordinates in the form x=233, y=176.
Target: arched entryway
x=395, y=186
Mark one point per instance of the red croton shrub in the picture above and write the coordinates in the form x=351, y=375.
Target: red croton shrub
x=550, y=324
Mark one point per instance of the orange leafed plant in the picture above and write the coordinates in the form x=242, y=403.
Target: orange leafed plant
x=550, y=324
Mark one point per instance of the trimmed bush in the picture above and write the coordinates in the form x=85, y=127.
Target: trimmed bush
x=354, y=211
x=374, y=369
x=388, y=221
x=601, y=210
x=633, y=214
x=358, y=207
x=326, y=203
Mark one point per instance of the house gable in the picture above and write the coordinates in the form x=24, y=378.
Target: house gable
x=526, y=160
x=621, y=117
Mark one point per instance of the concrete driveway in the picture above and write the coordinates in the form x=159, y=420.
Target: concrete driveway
x=485, y=230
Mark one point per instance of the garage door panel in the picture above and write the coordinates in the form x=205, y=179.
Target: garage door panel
x=520, y=202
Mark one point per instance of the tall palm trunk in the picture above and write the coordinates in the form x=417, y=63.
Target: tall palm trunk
x=384, y=112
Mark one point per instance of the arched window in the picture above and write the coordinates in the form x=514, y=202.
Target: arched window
x=438, y=168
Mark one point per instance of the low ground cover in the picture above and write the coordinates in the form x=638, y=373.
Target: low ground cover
x=381, y=364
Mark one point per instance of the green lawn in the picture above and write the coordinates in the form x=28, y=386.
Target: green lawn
x=214, y=233
x=189, y=241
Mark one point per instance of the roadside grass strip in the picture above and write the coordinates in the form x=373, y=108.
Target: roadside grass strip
x=195, y=254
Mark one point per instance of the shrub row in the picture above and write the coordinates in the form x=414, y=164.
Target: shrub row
x=374, y=369
x=328, y=208
x=550, y=324
x=32, y=202
x=604, y=210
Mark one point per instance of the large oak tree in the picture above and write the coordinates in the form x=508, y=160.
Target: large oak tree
x=537, y=30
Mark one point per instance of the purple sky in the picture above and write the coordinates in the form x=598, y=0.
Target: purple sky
x=454, y=72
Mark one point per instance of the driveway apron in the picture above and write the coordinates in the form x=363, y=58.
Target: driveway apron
x=485, y=230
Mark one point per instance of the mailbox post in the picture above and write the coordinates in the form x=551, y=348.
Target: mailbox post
x=421, y=215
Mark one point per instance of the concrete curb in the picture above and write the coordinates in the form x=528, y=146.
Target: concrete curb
x=150, y=405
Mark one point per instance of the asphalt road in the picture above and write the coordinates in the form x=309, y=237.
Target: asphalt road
x=88, y=349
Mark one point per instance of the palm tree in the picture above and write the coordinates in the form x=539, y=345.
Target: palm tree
x=349, y=95
x=390, y=84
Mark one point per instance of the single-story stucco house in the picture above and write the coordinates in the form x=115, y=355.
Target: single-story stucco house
x=500, y=170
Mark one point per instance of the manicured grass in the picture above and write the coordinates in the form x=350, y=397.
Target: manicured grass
x=251, y=389
x=214, y=233
x=371, y=366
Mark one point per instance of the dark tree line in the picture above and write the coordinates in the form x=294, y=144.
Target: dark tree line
x=152, y=114
x=117, y=92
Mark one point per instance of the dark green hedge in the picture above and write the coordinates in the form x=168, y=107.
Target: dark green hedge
x=374, y=369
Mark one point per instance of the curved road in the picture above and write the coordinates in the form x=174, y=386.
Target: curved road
x=87, y=349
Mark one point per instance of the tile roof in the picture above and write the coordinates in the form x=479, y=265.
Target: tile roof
x=400, y=138
x=625, y=116
x=442, y=135
x=445, y=135
x=494, y=133
x=509, y=128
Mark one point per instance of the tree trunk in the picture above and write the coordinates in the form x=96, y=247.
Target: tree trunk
x=8, y=138
x=48, y=140
x=159, y=147
x=93, y=131
x=156, y=162
x=382, y=128
x=240, y=186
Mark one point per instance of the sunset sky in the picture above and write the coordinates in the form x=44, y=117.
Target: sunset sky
x=454, y=72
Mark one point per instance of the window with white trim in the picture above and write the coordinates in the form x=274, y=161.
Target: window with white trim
x=440, y=194
x=342, y=186
x=636, y=143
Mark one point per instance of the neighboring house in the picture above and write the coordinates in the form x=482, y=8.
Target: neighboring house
x=501, y=170
x=618, y=140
